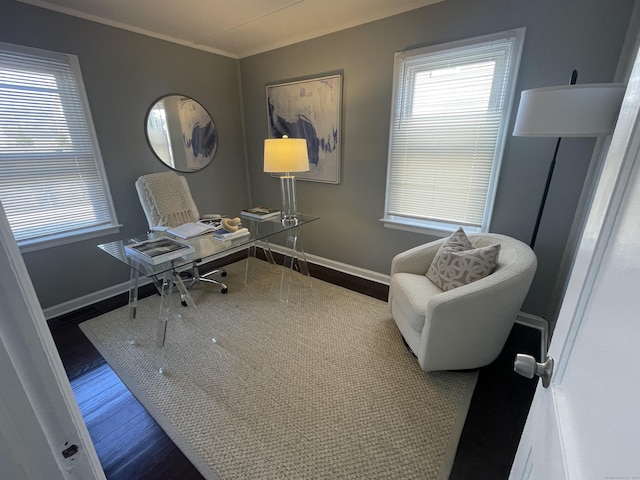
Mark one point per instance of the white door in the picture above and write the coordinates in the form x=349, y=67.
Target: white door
x=42, y=434
x=586, y=425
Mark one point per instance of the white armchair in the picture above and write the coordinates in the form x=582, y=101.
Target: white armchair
x=468, y=326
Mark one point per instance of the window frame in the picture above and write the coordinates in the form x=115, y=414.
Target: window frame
x=436, y=227
x=107, y=226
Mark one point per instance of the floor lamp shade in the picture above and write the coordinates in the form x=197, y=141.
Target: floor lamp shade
x=286, y=155
x=587, y=110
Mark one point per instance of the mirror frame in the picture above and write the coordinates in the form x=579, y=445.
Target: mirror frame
x=184, y=113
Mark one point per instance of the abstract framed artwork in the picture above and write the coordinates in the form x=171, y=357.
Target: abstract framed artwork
x=310, y=109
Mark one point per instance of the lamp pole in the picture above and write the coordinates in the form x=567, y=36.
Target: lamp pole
x=574, y=77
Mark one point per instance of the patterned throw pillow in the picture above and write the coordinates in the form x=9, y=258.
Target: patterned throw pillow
x=458, y=262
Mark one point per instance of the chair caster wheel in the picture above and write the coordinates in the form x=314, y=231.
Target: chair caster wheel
x=224, y=290
x=223, y=274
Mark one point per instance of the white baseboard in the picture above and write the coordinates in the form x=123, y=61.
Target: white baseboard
x=339, y=266
x=526, y=319
x=87, y=300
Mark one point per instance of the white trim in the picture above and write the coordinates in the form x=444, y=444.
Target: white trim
x=65, y=239
x=406, y=64
x=104, y=294
x=91, y=299
x=439, y=230
x=123, y=26
x=87, y=300
x=339, y=266
x=36, y=395
x=392, y=10
x=53, y=61
x=526, y=319
x=91, y=128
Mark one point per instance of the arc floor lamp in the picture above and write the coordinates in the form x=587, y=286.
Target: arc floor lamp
x=587, y=110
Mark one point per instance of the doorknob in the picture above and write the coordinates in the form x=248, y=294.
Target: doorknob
x=527, y=366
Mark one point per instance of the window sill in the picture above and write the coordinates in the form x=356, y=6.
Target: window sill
x=65, y=239
x=437, y=229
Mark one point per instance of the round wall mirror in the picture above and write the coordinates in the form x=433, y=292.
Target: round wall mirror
x=181, y=133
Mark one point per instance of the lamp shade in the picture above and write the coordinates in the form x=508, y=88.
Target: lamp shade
x=286, y=155
x=586, y=110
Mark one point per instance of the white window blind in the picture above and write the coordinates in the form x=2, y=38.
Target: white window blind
x=450, y=114
x=52, y=183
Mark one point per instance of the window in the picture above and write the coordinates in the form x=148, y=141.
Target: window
x=52, y=183
x=451, y=106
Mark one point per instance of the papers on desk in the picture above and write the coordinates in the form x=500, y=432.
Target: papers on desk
x=195, y=229
x=158, y=250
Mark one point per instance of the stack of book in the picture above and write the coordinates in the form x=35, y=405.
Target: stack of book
x=158, y=250
x=260, y=213
x=223, y=234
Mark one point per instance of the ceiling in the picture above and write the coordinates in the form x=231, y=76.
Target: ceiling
x=234, y=28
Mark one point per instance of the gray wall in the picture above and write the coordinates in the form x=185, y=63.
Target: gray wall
x=561, y=35
x=123, y=74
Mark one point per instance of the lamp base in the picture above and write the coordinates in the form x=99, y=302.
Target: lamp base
x=288, y=194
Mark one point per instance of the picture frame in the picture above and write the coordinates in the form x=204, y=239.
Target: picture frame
x=310, y=109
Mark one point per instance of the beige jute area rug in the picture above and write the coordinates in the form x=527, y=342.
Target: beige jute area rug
x=321, y=387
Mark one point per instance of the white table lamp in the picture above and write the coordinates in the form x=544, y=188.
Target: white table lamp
x=286, y=155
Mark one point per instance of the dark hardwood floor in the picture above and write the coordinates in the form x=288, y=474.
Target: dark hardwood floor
x=131, y=446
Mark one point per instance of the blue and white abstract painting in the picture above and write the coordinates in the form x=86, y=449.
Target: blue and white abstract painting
x=199, y=136
x=310, y=109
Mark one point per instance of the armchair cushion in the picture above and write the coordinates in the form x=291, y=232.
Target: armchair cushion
x=458, y=262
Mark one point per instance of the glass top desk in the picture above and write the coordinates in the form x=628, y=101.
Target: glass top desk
x=166, y=275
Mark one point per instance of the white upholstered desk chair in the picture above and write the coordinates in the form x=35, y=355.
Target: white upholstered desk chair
x=167, y=202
